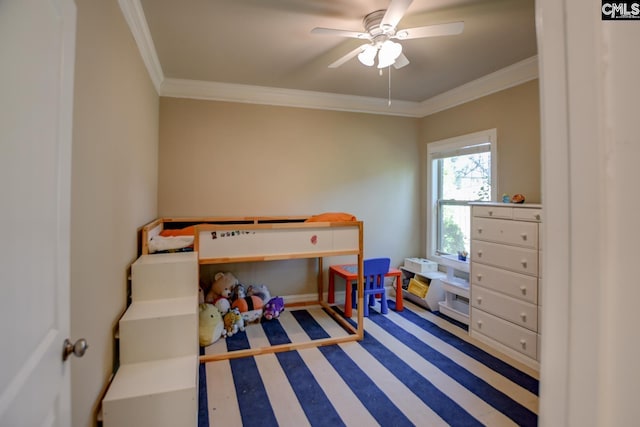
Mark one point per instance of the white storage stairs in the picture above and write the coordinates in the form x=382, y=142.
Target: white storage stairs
x=157, y=381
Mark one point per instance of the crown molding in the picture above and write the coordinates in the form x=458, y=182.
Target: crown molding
x=505, y=78
x=134, y=15
x=513, y=75
x=230, y=92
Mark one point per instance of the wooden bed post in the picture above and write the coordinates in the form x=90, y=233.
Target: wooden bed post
x=361, y=301
x=320, y=280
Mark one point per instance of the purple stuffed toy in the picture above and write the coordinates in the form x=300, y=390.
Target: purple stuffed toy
x=273, y=308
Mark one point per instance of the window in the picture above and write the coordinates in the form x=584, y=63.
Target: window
x=459, y=170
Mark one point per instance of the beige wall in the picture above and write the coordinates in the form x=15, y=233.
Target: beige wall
x=220, y=158
x=114, y=187
x=515, y=113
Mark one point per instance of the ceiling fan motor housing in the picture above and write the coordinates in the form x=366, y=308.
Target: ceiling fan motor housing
x=372, y=22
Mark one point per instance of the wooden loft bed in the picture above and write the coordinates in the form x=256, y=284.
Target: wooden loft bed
x=254, y=239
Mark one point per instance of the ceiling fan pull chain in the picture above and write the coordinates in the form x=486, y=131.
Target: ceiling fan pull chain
x=389, y=102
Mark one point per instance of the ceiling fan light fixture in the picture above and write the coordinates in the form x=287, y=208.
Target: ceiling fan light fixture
x=389, y=52
x=402, y=34
x=368, y=55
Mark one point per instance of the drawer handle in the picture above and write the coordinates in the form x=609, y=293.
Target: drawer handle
x=524, y=263
x=523, y=343
x=523, y=316
x=538, y=217
x=479, y=322
x=523, y=288
x=524, y=236
x=490, y=213
x=479, y=299
x=479, y=230
x=479, y=276
x=479, y=254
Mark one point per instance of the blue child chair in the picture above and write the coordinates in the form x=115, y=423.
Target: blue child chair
x=374, y=271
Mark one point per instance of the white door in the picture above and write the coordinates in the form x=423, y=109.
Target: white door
x=37, y=51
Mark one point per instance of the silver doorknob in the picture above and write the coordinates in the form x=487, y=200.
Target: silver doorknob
x=78, y=349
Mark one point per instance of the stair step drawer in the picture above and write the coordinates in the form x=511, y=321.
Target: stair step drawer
x=517, y=285
x=519, y=260
x=163, y=276
x=162, y=393
x=513, y=336
x=151, y=330
x=508, y=308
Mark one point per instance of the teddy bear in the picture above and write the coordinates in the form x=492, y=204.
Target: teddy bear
x=273, y=308
x=220, y=291
x=211, y=326
x=233, y=322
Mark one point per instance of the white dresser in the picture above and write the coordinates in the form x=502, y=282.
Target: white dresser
x=505, y=278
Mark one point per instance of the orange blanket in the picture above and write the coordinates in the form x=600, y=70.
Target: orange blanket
x=332, y=217
x=187, y=231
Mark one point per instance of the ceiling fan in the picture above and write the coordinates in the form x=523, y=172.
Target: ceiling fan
x=380, y=31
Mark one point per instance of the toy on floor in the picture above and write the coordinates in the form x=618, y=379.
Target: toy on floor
x=273, y=308
x=211, y=326
x=220, y=291
x=260, y=291
x=247, y=303
x=237, y=292
x=249, y=306
x=233, y=322
x=222, y=304
x=221, y=287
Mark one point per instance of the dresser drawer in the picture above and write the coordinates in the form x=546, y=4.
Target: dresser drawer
x=520, y=260
x=493, y=211
x=517, y=285
x=508, y=308
x=526, y=214
x=519, y=339
x=518, y=233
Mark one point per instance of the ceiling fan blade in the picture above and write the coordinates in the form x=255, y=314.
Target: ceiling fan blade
x=348, y=56
x=401, y=61
x=395, y=12
x=450, y=29
x=340, y=33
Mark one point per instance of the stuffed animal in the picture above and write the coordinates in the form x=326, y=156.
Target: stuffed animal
x=221, y=287
x=222, y=304
x=249, y=303
x=233, y=322
x=260, y=291
x=200, y=295
x=273, y=308
x=237, y=292
x=205, y=285
x=211, y=325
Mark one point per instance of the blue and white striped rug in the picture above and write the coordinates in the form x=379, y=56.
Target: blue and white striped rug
x=407, y=371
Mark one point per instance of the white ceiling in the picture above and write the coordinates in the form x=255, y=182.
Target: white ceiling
x=226, y=45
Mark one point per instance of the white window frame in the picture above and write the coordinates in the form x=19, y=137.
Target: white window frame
x=447, y=146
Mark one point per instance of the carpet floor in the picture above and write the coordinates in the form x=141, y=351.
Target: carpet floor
x=412, y=368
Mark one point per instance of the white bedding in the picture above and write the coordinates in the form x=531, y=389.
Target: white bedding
x=161, y=243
